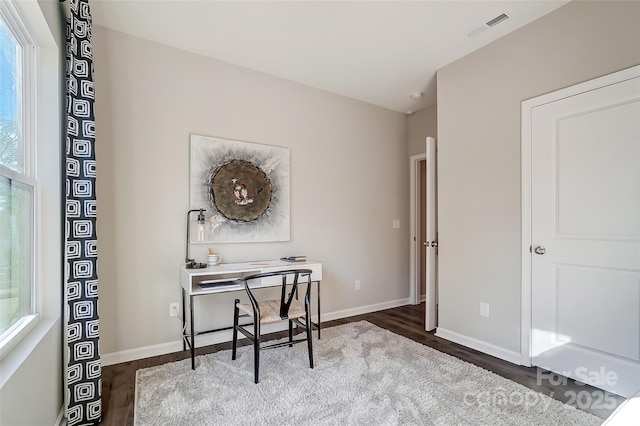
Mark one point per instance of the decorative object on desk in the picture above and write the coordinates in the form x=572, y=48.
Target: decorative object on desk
x=245, y=187
x=365, y=375
x=213, y=258
x=294, y=258
x=199, y=225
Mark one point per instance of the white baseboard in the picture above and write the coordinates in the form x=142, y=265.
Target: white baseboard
x=225, y=336
x=364, y=309
x=479, y=345
x=61, y=420
x=140, y=353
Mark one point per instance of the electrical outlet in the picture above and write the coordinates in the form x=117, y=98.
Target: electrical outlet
x=484, y=309
x=357, y=285
x=173, y=309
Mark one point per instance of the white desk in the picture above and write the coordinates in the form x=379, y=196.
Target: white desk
x=224, y=278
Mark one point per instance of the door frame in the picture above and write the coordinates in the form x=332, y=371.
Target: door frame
x=526, y=181
x=414, y=209
x=416, y=184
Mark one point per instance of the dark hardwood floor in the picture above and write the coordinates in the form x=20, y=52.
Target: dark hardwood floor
x=118, y=381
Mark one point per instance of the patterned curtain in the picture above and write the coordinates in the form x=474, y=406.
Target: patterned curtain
x=84, y=382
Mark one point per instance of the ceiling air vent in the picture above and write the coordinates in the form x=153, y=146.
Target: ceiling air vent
x=492, y=23
x=495, y=21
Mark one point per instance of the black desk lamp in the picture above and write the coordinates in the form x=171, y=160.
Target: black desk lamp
x=190, y=263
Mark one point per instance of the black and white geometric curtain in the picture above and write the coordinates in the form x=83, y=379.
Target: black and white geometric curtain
x=84, y=373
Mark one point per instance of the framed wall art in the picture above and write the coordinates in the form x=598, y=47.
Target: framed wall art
x=244, y=188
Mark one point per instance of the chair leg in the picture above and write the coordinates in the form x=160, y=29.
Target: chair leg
x=236, y=314
x=290, y=333
x=256, y=349
x=309, y=339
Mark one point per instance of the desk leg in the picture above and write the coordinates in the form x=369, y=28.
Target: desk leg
x=318, y=284
x=184, y=320
x=193, y=343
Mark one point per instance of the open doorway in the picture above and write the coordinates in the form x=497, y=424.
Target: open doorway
x=424, y=241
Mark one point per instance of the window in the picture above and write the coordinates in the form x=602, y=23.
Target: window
x=17, y=183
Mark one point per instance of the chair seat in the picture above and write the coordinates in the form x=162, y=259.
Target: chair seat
x=270, y=310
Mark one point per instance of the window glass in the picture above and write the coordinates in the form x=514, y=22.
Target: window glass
x=16, y=189
x=16, y=226
x=11, y=146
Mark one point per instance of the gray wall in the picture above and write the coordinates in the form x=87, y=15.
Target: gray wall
x=349, y=180
x=420, y=125
x=479, y=100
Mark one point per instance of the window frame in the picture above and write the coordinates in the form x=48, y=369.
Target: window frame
x=40, y=131
x=26, y=100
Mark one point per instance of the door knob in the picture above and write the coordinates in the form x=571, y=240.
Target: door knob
x=434, y=244
x=425, y=244
x=540, y=250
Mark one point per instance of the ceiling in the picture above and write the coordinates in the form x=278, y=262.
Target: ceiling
x=379, y=52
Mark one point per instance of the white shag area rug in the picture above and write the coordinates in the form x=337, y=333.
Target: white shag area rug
x=363, y=375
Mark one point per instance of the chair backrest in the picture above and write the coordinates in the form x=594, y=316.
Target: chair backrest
x=289, y=277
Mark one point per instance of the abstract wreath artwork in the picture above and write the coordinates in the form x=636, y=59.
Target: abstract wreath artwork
x=244, y=188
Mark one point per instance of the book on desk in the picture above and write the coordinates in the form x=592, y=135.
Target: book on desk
x=294, y=258
x=217, y=283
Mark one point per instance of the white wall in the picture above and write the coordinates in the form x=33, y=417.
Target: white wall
x=349, y=180
x=33, y=394
x=479, y=99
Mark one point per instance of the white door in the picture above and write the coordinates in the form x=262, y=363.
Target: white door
x=585, y=235
x=431, y=292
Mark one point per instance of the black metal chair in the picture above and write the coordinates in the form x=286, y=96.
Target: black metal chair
x=287, y=308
